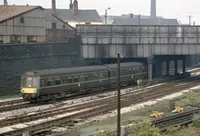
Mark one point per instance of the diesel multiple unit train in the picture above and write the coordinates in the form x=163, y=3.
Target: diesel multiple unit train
x=41, y=85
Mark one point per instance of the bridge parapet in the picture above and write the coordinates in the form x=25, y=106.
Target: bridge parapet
x=104, y=41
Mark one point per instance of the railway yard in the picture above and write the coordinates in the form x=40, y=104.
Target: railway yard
x=18, y=117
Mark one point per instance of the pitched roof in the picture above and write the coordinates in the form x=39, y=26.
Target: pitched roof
x=83, y=15
x=10, y=11
x=145, y=21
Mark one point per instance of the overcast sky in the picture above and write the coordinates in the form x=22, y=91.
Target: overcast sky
x=180, y=9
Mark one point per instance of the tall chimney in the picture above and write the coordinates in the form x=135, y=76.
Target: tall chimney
x=153, y=9
x=71, y=5
x=53, y=6
x=75, y=8
x=5, y=2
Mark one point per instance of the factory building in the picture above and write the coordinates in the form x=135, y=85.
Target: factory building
x=142, y=20
x=74, y=15
x=22, y=24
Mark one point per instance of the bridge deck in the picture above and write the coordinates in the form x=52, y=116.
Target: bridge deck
x=104, y=41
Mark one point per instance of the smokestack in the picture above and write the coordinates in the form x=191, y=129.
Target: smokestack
x=5, y=2
x=75, y=8
x=153, y=9
x=54, y=7
x=71, y=5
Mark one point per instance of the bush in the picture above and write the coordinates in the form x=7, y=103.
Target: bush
x=144, y=129
x=196, y=121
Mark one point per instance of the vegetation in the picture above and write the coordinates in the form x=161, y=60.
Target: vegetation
x=146, y=129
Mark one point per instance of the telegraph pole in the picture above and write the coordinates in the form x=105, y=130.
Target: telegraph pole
x=118, y=96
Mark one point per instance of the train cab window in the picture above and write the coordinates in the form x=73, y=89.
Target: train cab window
x=57, y=82
x=31, y=82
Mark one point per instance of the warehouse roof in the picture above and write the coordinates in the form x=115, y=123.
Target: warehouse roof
x=145, y=21
x=83, y=15
x=10, y=11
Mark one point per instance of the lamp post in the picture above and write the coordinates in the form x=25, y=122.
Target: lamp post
x=118, y=96
x=106, y=14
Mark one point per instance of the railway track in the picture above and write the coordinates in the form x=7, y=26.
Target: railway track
x=184, y=118
x=11, y=102
x=59, y=110
x=20, y=104
x=107, y=104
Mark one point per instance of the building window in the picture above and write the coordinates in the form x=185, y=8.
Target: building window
x=1, y=39
x=15, y=39
x=31, y=38
x=87, y=23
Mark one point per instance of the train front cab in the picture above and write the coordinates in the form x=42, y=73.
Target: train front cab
x=29, y=87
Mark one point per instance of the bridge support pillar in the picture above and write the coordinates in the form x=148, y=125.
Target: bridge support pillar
x=175, y=67
x=184, y=65
x=150, y=68
x=158, y=69
x=167, y=67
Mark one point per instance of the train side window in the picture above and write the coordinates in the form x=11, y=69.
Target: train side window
x=75, y=79
x=86, y=78
x=69, y=80
x=122, y=72
x=95, y=76
x=57, y=82
x=108, y=73
x=133, y=70
x=81, y=78
x=42, y=83
x=130, y=71
x=48, y=83
x=63, y=81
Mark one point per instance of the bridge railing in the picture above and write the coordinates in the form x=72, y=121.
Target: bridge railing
x=126, y=34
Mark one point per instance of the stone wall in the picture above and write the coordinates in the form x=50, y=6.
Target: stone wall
x=16, y=59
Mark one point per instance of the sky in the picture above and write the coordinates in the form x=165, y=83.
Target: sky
x=179, y=9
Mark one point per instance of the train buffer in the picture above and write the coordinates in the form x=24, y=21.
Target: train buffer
x=177, y=109
x=157, y=114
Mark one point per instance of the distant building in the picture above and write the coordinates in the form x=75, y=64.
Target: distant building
x=74, y=15
x=145, y=21
x=21, y=24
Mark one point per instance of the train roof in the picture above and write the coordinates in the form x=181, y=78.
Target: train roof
x=72, y=70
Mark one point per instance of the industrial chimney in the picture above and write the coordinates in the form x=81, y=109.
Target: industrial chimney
x=71, y=5
x=54, y=7
x=153, y=9
x=5, y=2
x=75, y=8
